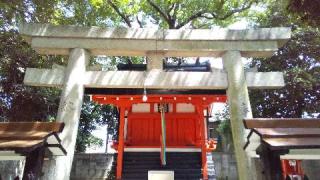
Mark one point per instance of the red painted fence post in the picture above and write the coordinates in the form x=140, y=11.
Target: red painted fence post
x=203, y=142
x=121, y=142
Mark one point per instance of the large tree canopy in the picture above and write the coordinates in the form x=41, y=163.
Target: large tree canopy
x=173, y=14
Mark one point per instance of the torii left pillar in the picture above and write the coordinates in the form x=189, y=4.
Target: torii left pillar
x=71, y=99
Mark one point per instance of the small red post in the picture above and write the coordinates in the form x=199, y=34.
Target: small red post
x=121, y=142
x=203, y=143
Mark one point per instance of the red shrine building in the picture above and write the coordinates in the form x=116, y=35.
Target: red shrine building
x=166, y=128
x=162, y=129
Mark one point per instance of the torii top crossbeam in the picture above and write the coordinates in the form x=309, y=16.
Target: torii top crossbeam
x=49, y=39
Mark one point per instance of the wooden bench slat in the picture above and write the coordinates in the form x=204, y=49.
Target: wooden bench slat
x=32, y=126
x=281, y=123
x=32, y=135
x=292, y=143
x=287, y=132
x=14, y=144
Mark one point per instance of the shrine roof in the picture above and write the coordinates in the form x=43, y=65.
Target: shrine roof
x=139, y=91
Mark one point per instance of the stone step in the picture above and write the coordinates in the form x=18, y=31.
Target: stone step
x=185, y=165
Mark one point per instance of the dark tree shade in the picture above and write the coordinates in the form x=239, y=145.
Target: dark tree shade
x=19, y=102
x=299, y=59
x=307, y=10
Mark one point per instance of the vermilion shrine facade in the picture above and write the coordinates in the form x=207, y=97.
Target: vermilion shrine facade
x=161, y=123
x=141, y=122
x=143, y=125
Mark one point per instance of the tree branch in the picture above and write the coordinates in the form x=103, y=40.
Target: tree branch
x=163, y=14
x=204, y=14
x=122, y=15
x=175, y=11
x=192, y=17
x=232, y=12
x=171, y=7
x=139, y=22
x=213, y=16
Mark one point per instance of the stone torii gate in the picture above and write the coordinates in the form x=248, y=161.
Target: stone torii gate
x=82, y=42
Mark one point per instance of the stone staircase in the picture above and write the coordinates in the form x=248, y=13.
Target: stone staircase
x=186, y=165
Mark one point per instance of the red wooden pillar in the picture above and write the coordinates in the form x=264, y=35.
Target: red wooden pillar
x=122, y=110
x=203, y=138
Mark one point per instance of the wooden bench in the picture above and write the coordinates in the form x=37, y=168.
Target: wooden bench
x=279, y=137
x=30, y=140
x=286, y=133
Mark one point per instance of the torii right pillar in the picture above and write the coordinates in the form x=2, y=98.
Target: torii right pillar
x=239, y=107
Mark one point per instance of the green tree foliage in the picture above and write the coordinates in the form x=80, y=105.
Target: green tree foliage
x=93, y=115
x=224, y=129
x=18, y=102
x=306, y=10
x=175, y=14
x=299, y=58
